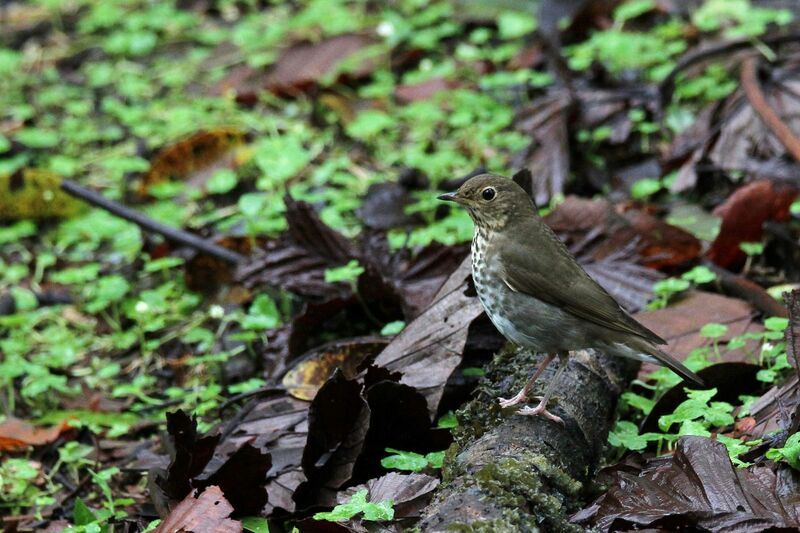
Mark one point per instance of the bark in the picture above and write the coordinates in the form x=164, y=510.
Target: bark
x=514, y=473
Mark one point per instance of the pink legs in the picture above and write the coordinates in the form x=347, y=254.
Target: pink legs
x=522, y=396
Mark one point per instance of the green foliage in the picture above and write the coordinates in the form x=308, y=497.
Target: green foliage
x=752, y=248
x=412, y=461
x=349, y=272
x=697, y=407
x=358, y=504
x=644, y=188
x=790, y=452
x=393, y=328
x=664, y=289
x=256, y=524
x=447, y=421
x=738, y=18
x=699, y=275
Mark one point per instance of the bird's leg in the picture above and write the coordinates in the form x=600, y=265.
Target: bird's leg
x=541, y=408
x=522, y=395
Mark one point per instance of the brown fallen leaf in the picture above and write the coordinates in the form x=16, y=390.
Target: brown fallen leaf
x=297, y=261
x=697, y=488
x=206, y=513
x=304, y=380
x=203, y=151
x=16, y=434
x=680, y=323
x=299, y=68
x=548, y=155
x=422, y=91
x=427, y=351
x=743, y=216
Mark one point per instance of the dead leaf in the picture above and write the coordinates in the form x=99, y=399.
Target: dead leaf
x=743, y=216
x=427, y=351
x=338, y=421
x=197, y=463
x=299, y=68
x=383, y=207
x=16, y=434
x=277, y=424
x=207, y=513
x=409, y=493
x=34, y=194
x=297, y=261
x=304, y=380
x=202, y=151
x=697, y=488
x=547, y=157
x=422, y=91
x=680, y=323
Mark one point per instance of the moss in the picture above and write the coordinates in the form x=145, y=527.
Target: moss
x=499, y=525
x=517, y=486
x=510, y=367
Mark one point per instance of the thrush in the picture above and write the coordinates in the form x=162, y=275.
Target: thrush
x=536, y=293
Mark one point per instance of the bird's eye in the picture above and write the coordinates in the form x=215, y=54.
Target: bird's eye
x=488, y=194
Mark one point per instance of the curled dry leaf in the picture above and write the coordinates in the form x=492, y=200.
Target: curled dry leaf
x=197, y=462
x=206, y=513
x=338, y=421
x=409, y=493
x=16, y=434
x=199, y=152
x=743, y=216
x=697, y=488
x=304, y=380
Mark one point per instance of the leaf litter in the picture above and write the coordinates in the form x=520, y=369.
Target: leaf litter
x=325, y=273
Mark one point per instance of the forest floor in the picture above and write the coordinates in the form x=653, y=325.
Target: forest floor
x=284, y=339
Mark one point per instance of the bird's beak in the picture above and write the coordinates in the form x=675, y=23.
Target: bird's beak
x=449, y=197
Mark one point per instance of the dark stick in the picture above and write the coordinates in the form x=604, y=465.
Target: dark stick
x=173, y=234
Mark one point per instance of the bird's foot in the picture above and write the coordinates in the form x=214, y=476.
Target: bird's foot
x=518, y=398
x=540, y=410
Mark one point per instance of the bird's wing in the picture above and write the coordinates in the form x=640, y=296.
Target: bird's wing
x=543, y=268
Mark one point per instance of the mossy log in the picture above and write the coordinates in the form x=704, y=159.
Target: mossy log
x=508, y=472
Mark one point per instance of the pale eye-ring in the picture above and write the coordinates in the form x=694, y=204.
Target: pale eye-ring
x=488, y=194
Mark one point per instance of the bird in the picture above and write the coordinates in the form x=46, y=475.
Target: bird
x=538, y=296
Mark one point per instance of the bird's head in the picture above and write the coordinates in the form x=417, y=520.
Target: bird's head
x=492, y=201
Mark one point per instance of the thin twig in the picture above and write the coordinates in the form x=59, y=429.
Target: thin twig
x=749, y=291
x=749, y=79
x=173, y=234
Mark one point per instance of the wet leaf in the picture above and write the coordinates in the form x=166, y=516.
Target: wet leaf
x=338, y=421
x=206, y=513
x=304, y=380
x=297, y=262
x=696, y=488
x=428, y=350
x=743, y=216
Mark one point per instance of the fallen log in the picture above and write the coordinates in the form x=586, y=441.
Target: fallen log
x=508, y=472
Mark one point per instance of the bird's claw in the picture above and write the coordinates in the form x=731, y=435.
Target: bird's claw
x=540, y=410
x=519, y=398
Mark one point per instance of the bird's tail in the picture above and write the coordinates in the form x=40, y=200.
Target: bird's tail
x=644, y=351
